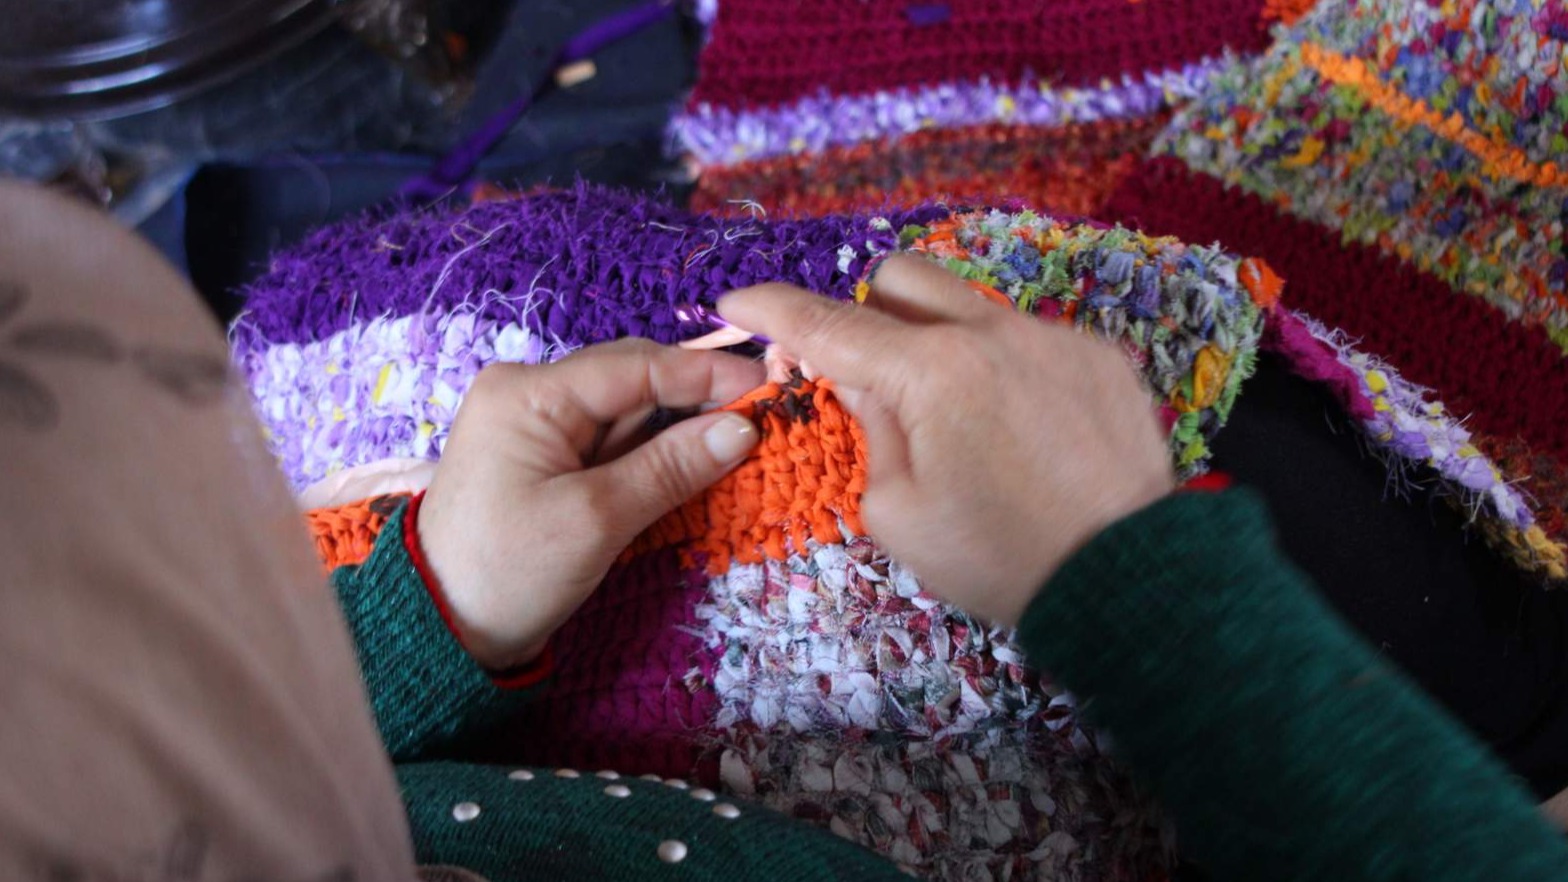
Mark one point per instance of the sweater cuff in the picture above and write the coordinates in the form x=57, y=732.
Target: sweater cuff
x=520, y=677
x=1279, y=741
x=424, y=688
x=1123, y=577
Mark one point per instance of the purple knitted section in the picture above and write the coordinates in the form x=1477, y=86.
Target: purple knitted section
x=575, y=267
x=630, y=689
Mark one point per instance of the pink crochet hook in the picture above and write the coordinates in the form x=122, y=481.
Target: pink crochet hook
x=780, y=365
x=725, y=335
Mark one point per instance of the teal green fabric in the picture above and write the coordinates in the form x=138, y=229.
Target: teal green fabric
x=425, y=690
x=1278, y=740
x=551, y=828
x=1282, y=745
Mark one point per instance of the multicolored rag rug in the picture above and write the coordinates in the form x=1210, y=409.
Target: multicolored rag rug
x=819, y=106
x=757, y=637
x=1382, y=156
x=1405, y=166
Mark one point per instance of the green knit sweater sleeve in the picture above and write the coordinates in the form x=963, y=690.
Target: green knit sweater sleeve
x=526, y=825
x=424, y=688
x=1279, y=741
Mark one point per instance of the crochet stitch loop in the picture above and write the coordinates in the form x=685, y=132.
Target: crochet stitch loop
x=803, y=480
x=345, y=534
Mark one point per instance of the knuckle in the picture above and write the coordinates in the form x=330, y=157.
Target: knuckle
x=634, y=345
x=824, y=324
x=964, y=357
x=669, y=474
x=487, y=387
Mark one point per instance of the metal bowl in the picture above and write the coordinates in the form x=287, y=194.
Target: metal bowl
x=96, y=59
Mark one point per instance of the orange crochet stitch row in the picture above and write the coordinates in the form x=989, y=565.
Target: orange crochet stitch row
x=345, y=534
x=806, y=475
x=1501, y=159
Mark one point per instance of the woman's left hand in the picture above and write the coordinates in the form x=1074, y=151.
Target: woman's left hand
x=550, y=473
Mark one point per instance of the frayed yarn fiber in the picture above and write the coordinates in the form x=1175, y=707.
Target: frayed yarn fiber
x=542, y=262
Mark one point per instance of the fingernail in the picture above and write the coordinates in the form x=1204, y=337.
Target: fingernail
x=731, y=438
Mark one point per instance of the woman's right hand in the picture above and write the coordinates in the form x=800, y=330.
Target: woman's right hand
x=999, y=444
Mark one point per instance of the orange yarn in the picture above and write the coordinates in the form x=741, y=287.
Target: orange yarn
x=1286, y=11
x=1070, y=169
x=807, y=473
x=1261, y=282
x=345, y=534
x=1499, y=159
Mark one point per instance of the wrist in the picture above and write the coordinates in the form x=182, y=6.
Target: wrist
x=1079, y=531
x=507, y=668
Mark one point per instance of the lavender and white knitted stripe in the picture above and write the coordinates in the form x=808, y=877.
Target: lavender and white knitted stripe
x=383, y=388
x=722, y=135
x=1410, y=424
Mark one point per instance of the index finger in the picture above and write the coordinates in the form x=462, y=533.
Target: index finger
x=850, y=345
x=615, y=379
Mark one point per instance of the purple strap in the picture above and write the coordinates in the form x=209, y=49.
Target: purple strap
x=924, y=15
x=457, y=167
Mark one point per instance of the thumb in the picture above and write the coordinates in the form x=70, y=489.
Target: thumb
x=674, y=466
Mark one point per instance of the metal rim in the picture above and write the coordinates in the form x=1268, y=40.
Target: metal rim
x=133, y=74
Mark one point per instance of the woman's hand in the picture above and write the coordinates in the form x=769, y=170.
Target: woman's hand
x=998, y=444
x=550, y=473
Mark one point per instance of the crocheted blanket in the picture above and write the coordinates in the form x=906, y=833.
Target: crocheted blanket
x=1395, y=163
x=758, y=637
x=1400, y=164
x=822, y=106
x=1382, y=156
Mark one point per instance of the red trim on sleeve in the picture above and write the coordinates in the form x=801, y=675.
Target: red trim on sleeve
x=522, y=677
x=1212, y=482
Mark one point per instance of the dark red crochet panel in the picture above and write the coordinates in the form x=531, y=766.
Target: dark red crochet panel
x=1512, y=379
x=770, y=51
